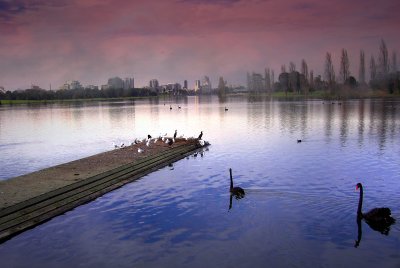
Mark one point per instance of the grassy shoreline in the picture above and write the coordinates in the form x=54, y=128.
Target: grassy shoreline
x=16, y=102
x=278, y=95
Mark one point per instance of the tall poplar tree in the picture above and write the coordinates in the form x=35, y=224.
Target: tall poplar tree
x=372, y=68
x=383, y=60
x=361, y=74
x=344, y=71
x=304, y=69
x=329, y=71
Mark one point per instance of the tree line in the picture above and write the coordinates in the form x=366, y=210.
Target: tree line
x=383, y=75
x=68, y=94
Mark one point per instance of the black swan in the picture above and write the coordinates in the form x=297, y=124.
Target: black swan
x=226, y=109
x=236, y=191
x=201, y=135
x=378, y=219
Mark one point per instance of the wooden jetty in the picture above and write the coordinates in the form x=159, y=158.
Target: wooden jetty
x=34, y=198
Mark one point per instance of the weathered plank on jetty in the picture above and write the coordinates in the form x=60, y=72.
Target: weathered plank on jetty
x=59, y=198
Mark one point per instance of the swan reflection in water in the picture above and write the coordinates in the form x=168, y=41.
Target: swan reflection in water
x=236, y=192
x=378, y=219
x=359, y=228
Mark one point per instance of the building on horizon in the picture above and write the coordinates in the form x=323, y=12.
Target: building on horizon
x=115, y=82
x=185, y=84
x=71, y=85
x=205, y=85
x=129, y=83
x=197, y=86
x=93, y=87
x=154, y=85
x=172, y=88
x=105, y=87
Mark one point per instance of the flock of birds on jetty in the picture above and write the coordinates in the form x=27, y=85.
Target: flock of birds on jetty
x=161, y=138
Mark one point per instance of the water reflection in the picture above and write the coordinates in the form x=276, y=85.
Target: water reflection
x=344, y=126
x=361, y=122
x=359, y=232
x=230, y=201
x=383, y=228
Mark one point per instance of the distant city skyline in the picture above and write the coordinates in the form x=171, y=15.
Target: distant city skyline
x=50, y=42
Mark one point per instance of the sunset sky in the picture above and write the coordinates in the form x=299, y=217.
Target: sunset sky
x=45, y=42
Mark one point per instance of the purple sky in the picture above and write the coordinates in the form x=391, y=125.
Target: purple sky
x=51, y=41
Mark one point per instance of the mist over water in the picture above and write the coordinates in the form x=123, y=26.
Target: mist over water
x=300, y=205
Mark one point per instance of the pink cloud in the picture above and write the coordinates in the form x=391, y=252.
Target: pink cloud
x=92, y=40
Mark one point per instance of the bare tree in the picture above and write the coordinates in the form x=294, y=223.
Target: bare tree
x=267, y=79
x=304, y=69
x=361, y=74
x=249, y=82
x=394, y=62
x=283, y=68
x=329, y=70
x=272, y=78
x=311, y=79
x=344, y=71
x=292, y=67
x=383, y=60
x=372, y=68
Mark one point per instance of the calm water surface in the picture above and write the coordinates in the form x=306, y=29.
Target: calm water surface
x=300, y=204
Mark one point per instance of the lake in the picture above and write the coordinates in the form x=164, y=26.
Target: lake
x=300, y=204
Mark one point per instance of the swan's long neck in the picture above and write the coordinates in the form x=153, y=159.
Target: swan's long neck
x=360, y=200
x=230, y=171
